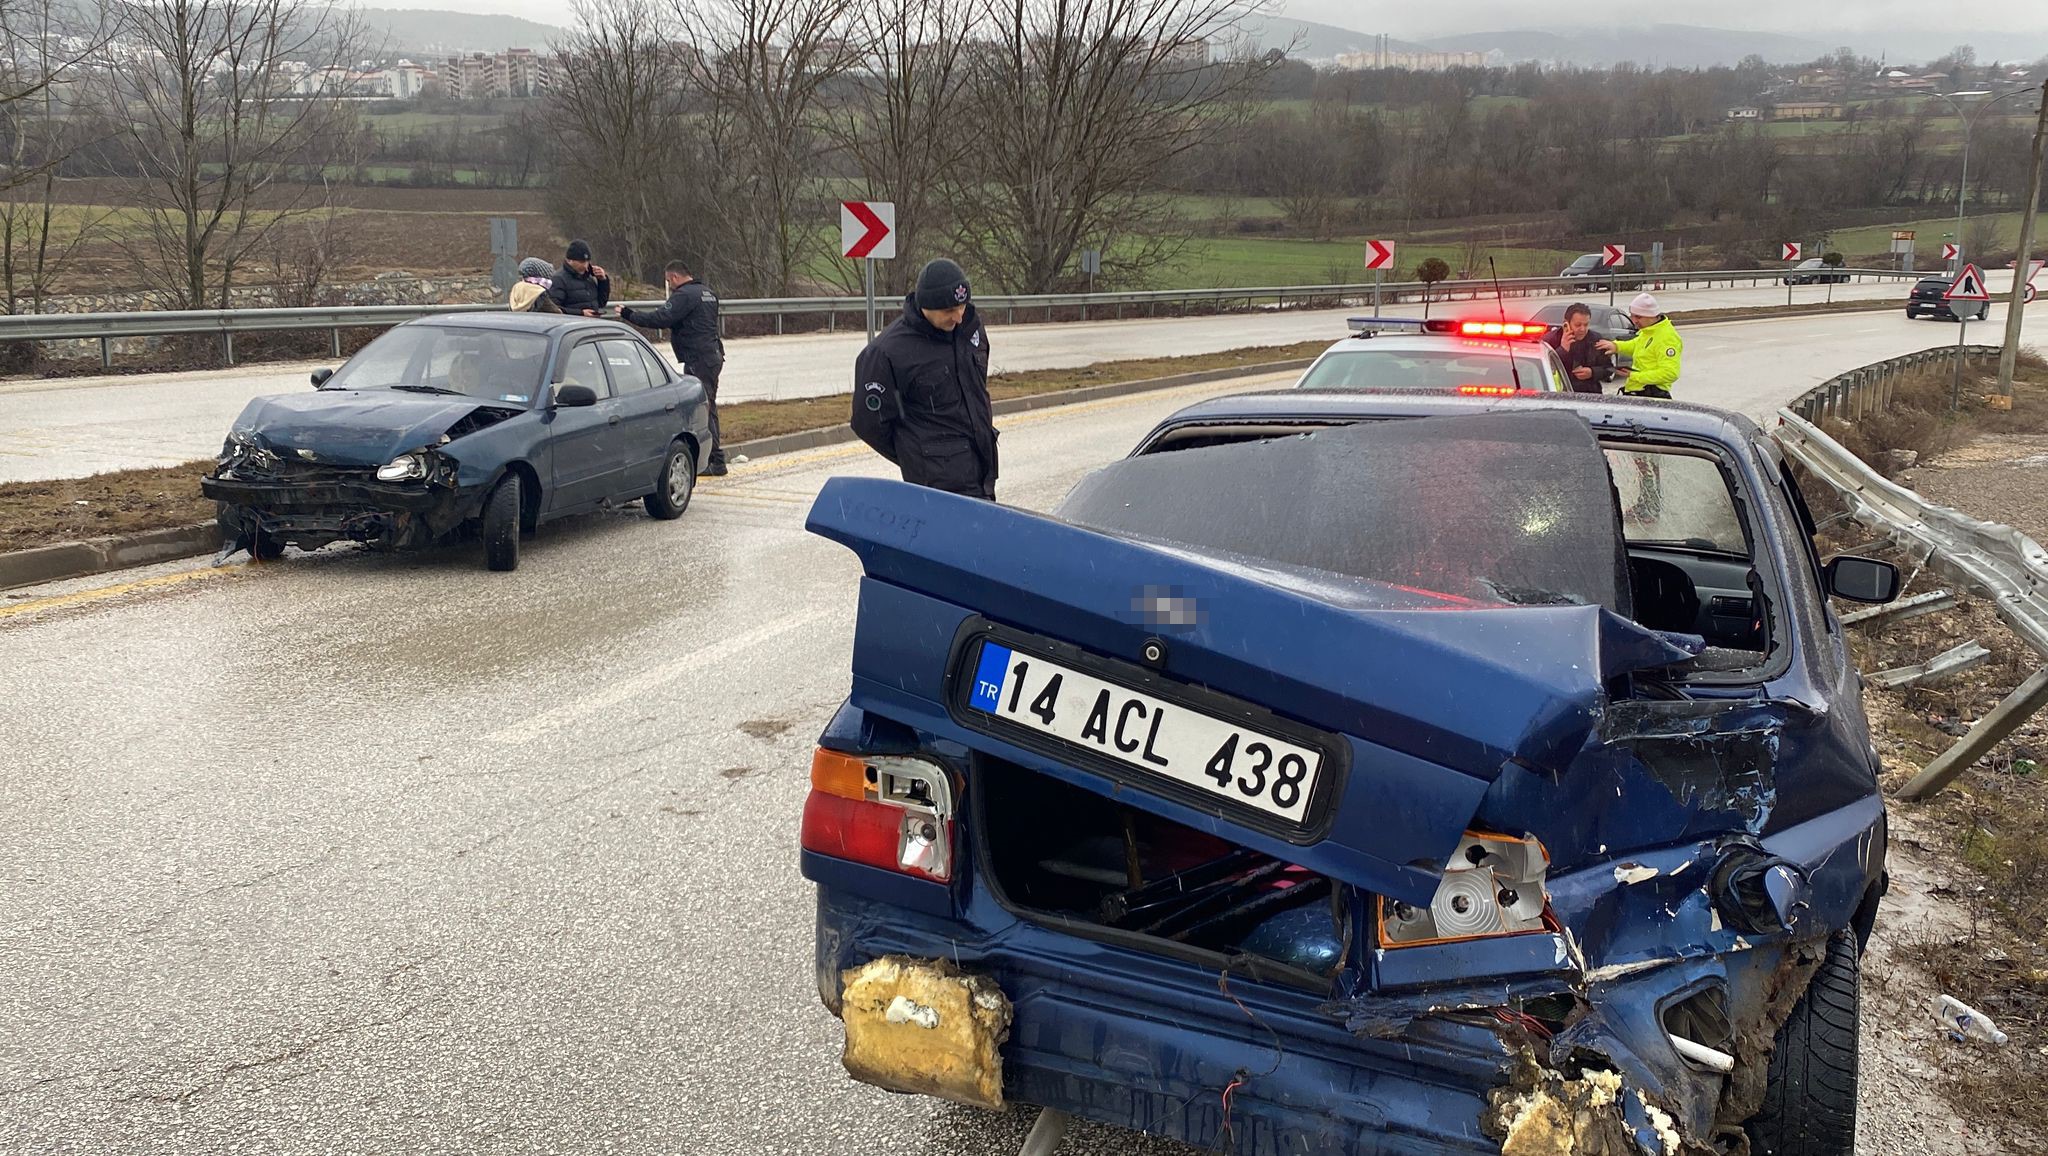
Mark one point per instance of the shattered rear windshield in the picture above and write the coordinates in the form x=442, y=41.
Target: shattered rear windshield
x=1500, y=508
x=488, y=364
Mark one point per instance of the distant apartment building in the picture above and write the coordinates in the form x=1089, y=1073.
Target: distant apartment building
x=1745, y=113
x=1806, y=110
x=1384, y=55
x=514, y=73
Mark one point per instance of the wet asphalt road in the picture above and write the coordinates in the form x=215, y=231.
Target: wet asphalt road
x=365, y=853
x=74, y=427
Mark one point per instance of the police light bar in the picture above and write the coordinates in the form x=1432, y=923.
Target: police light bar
x=1367, y=326
x=1521, y=330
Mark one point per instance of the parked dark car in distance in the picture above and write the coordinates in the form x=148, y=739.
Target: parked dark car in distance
x=1281, y=793
x=491, y=422
x=1588, y=272
x=1929, y=298
x=1815, y=271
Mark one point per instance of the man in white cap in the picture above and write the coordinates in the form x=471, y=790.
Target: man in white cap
x=1656, y=349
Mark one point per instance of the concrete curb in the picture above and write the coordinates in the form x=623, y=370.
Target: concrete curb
x=66, y=560
x=99, y=555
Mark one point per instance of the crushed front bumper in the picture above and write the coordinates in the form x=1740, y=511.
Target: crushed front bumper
x=310, y=514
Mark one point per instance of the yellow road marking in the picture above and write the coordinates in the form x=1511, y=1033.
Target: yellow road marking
x=101, y=594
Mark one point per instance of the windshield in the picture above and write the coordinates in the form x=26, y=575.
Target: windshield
x=489, y=364
x=1589, y=261
x=1501, y=508
x=1447, y=369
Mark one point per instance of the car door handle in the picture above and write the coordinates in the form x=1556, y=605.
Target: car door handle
x=670, y=407
x=612, y=420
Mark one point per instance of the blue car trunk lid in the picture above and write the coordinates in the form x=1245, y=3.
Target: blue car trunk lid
x=1416, y=701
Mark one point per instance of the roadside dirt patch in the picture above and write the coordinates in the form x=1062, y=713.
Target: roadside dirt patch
x=42, y=513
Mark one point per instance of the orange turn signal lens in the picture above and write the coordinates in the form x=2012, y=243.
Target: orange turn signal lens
x=845, y=776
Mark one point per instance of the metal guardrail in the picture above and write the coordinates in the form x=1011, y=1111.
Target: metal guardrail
x=2006, y=565
x=109, y=327
x=1860, y=392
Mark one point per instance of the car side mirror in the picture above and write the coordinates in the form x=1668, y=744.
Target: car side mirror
x=1861, y=579
x=320, y=377
x=575, y=396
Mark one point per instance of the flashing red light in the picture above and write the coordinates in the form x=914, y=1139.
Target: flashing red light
x=1488, y=390
x=1522, y=329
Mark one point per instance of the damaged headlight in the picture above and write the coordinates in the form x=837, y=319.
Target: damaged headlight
x=1493, y=885
x=403, y=468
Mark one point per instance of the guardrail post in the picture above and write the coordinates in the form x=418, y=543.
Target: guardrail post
x=1990, y=730
x=337, y=342
x=106, y=354
x=831, y=320
x=228, y=339
x=778, y=323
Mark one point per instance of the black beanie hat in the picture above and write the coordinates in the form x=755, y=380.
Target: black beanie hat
x=942, y=285
x=579, y=250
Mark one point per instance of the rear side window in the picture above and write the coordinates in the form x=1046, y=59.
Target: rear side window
x=629, y=373
x=657, y=372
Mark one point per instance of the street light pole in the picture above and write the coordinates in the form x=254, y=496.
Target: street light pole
x=2016, y=310
x=1969, y=129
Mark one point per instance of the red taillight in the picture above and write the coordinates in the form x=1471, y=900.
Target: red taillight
x=1488, y=390
x=1522, y=329
x=895, y=814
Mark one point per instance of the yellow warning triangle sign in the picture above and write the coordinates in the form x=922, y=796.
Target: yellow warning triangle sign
x=1969, y=286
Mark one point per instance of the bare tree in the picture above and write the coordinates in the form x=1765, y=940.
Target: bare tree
x=44, y=86
x=1078, y=105
x=306, y=251
x=768, y=68
x=221, y=123
x=902, y=129
x=619, y=117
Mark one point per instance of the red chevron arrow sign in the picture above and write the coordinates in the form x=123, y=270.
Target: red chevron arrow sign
x=1379, y=254
x=867, y=229
x=1611, y=255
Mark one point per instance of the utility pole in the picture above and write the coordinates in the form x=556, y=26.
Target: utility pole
x=2016, y=309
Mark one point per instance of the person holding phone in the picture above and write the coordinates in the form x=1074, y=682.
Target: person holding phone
x=582, y=288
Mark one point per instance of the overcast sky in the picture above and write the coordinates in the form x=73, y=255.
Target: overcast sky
x=1918, y=27
x=1813, y=18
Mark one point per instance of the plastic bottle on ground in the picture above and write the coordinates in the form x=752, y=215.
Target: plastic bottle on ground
x=1966, y=1022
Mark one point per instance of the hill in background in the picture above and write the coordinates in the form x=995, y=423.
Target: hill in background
x=431, y=33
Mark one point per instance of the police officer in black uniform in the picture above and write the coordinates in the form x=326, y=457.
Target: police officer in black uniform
x=691, y=317
x=920, y=389
x=582, y=288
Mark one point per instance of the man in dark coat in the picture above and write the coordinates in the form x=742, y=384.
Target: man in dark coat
x=1586, y=365
x=581, y=288
x=920, y=389
x=691, y=317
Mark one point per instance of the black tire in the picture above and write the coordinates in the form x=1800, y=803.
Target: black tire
x=501, y=525
x=1810, y=1106
x=678, y=481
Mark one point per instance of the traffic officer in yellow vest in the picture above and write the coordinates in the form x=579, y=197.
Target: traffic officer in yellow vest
x=1656, y=349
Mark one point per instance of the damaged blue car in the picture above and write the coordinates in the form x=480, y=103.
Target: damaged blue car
x=484, y=423
x=1349, y=773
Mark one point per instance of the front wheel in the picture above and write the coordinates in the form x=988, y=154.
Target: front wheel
x=1809, y=1107
x=678, y=481
x=501, y=525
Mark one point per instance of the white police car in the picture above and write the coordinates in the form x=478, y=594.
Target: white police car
x=1442, y=355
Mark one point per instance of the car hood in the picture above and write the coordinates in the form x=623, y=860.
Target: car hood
x=355, y=427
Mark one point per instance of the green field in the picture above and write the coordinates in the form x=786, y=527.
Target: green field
x=1932, y=232
x=407, y=123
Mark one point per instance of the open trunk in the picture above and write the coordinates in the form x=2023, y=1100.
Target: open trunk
x=1061, y=854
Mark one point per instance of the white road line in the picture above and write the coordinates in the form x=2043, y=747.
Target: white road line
x=527, y=730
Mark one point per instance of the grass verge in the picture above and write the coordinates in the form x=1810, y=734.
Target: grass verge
x=129, y=501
